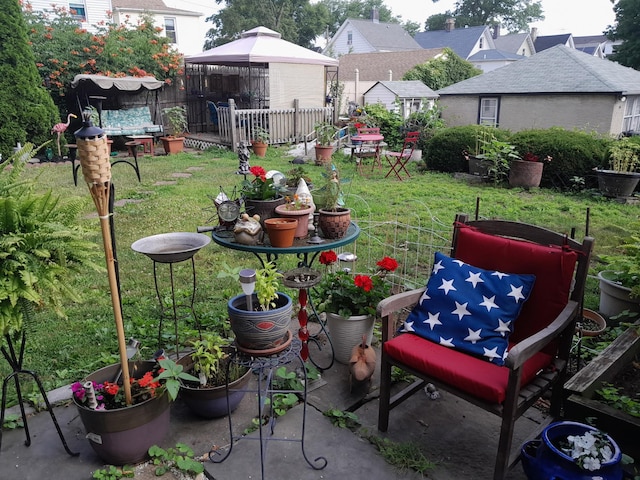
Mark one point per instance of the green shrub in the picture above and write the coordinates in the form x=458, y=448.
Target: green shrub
x=390, y=123
x=574, y=153
x=443, y=152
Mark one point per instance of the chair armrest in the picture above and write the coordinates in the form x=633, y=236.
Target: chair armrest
x=525, y=349
x=388, y=308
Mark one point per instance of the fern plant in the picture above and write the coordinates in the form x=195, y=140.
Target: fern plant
x=41, y=246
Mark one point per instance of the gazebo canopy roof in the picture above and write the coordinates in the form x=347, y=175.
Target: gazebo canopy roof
x=260, y=45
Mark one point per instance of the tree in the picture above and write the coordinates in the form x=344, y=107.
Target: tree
x=626, y=29
x=62, y=50
x=443, y=71
x=297, y=21
x=340, y=10
x=27, y=112
x=514, y=15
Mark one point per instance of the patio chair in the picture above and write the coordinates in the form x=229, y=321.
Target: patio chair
x=213, y=114
x=479, y=370
x=398, y=160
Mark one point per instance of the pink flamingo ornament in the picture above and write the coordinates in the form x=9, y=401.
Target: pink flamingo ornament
x=60, y=128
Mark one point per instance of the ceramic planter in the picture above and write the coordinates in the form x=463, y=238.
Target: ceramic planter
x=264, y=208
x=302, y=230
x=257, y=329
x=543, y=460
x=259, y=148
x=346, y=333
x=323, y=154
x=617, y=184
x=211, y=402
x=525, y=174
x=281, y=231
x=615, y=298
x=334, y=224
x=172, y=144
x=123, y=436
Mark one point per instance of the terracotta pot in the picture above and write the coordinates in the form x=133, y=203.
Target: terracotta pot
x=302, y=216
x=211, y=402
x=123, y=436
x=257, y=329
x=597, y=319
x=334, y=224
x=259, y=148
x=525, y=174
x=264, y=208
x=323, y=154
x=281, y=231
x=172, y=144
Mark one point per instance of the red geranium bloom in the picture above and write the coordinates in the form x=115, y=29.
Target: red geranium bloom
x=111, y=388
x=364, y=282
x=258, y=171
x=387, y=263
x=329, y=257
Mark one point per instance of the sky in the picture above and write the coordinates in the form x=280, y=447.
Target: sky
x=578, y=17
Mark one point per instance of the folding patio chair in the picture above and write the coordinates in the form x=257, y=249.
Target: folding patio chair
x=398, y=160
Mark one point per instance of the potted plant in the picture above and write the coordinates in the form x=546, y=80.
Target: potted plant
x=43, y=248
x=177, y=118
x=334, y=218
x=495, y=156
x=527, y=171
x=349, y=302
x=260, y=319
x=261, y=195
x=210, y=361
x=299, y=208
x=325, y=133
x=622, y=177
x=620, y=281
x=294, y=176
x=259, y=141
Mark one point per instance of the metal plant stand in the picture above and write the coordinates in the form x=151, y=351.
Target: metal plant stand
x=172, y=248
x=264, y=367
x=15, y=360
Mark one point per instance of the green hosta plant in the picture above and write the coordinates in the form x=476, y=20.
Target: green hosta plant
x=267, y=285
x=41, y=246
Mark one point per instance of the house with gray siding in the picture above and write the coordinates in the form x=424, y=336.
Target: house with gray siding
x=558, y=87
x=404, y=97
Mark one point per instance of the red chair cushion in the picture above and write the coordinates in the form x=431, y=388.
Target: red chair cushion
x=552, y=266
x=470, y=374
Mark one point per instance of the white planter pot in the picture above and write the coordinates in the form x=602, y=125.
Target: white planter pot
x=615, y=298
x=346, y=333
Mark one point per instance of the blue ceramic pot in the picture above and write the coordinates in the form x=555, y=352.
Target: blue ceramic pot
x=257, y=329
x=542, y=460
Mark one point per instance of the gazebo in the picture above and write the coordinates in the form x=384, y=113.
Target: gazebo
x=260, y=70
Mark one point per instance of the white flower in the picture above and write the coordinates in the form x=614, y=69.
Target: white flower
x=589, y=450
x=591, y=464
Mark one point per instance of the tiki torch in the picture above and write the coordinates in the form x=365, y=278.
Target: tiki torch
x=93, y=152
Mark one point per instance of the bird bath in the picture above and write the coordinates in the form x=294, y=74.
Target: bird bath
x=171, y=247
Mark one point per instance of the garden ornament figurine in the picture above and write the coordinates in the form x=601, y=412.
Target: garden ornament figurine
x=243, y=158
x=60, y=128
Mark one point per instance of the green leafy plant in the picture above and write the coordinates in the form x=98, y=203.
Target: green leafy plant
x=267, y=284
x=405, y=456
x=260, y=187
x=295, y=174
x=330, y=196
x=325, y=133
x=282, y=402
x=259, y=134
x=498, y=153
x=111, y=472
x=342, y=419
x=180, y=458
x=612, y=395
x=12, y=421
x=171, y=376
x=210, y=360
x=624, y=155
x=177, y=118
x=625, y=268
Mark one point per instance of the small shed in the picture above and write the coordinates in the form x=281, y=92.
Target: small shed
x=404, y=97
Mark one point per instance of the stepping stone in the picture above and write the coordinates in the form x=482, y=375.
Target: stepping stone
x=165, y=182
x=181, y=175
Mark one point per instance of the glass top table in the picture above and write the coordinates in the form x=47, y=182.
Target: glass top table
x=306, y=252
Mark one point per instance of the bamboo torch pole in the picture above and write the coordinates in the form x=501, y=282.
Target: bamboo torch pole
x=93, y=152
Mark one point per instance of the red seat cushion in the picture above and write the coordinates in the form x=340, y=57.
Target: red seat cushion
x=552, y=266
x=470, y=374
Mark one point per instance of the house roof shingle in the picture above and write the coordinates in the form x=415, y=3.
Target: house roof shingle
x=559, y=69
x=460, y=40
x=510, y=43
x=409, y=89
x=375, y=66
x=545, y=42
x=384, y=37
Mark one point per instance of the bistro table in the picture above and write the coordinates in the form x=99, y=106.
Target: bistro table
x=365, y=145
x=306, y=253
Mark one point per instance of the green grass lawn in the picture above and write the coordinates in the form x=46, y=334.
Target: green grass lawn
x=408, y=220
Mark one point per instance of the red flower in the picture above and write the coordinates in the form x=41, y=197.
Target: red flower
x=258, y=171
x=329, y=257
x=146, y=380
x=364, y=282
x=530, y=157
x=387, y=263
x=111, y=388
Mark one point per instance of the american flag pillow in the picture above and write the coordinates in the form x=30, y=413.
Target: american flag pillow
x=468, y=308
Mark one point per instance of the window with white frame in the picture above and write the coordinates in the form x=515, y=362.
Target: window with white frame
x=349, y=37
x=488, y=111
x=78, y=11
x=170, y=29
x=631, y=119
